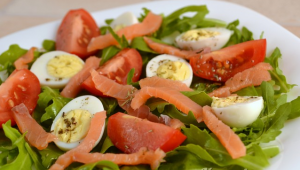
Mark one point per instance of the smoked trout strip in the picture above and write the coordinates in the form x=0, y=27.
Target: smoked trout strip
x=36, y=135
x=150, y=24
x=143, y=156
x=74, y=85
x=181, y=102
x=226, y=136
x=162, y=82
x=168, y=49
x=23, y=61
x=253, y=76
x=86, y=145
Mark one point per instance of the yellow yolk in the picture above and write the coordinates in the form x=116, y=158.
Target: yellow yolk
x=174, y=70
x=64, y=66
x=73, y=126
x=198, y=34
x=231, y=100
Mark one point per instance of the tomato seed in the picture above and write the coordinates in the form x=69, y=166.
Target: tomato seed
x=22, y=88
x=11, y=103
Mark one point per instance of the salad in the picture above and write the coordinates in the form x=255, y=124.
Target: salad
x=200, y=145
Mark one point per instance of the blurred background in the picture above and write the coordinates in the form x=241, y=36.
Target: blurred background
x=16, y=15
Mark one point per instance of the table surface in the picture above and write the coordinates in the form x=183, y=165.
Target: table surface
x=16, y=15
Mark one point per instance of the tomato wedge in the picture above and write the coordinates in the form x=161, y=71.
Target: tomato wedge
x=75, y=32
x=129, y=134
x=22, y=86
x=222, y=64
x=117, y=69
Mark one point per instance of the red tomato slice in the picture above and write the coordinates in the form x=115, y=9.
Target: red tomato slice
x=22, y=86
x=117, y=69
x=129, y=134
x=222, y=64
x=75, y=32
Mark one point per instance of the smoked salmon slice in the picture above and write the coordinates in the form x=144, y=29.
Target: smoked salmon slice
x=161, y=82
x=143, y=156
x=23, y=61
x=124, y=94
x=110, y=88
x=36, y=135
x=74, y=85
x=168, y=49
x=253, y=76
x=181, y=102
x=226, y=136
x=97, y=123
x=150, y=24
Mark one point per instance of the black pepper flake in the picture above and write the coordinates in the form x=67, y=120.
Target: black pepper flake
x=60, y=131
x=47, y=79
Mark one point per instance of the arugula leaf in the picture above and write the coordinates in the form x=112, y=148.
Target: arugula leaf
x=139, y=44
x=49, y=45
x=106, y=145
x=174, y=21
x=276, y=73
x=12, y=54
x=109, y=104
x=49, y=155
x=129, y=79
x=122, y=41
x=109, y=21
x=108, y=53
x=35, y=157
x=295, y=112
x=238, y=35
x=47, y=96
x=23, y=160
x=210, y=22
x=101, y=165
x=144, y=14
x=208, y=148
x=163, y=107
x=276, y=123
x=198, y=97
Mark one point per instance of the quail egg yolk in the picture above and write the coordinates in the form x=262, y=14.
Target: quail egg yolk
x=199, y=34
x=73, y=126
x=64, y=66
x=231, y=100
x=174, y=70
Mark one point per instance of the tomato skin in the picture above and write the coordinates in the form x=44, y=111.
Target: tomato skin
x=75, y=32
x=129, y=134
x=117, y=69
x=222, y=64
x=22, y=86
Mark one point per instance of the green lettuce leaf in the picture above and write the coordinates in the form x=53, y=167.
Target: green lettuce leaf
x=109, y=104
x=122, y=41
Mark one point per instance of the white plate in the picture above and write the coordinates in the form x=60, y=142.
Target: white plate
x=276, y=36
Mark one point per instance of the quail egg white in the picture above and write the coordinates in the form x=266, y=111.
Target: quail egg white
x=54, y=69
x=170, y=67
x=213, y=37
x=125, y=19
x=73, y=121
x=238, y=111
